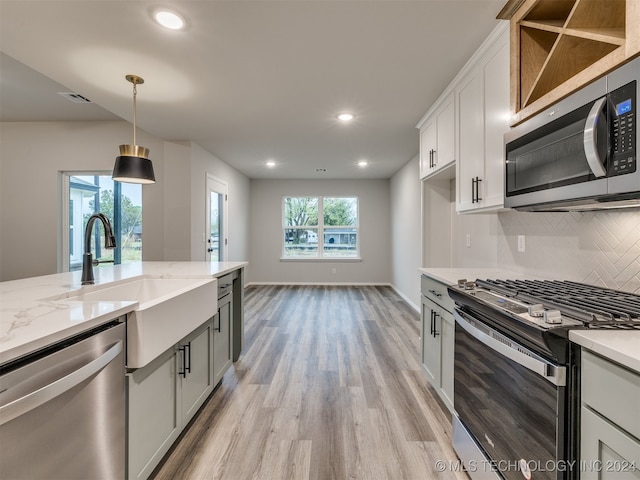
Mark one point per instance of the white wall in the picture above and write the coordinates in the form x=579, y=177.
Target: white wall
x=177, y=202
x=266, y=233
x=31, y=157
x=406, y=235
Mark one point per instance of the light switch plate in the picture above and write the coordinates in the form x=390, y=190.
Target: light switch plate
x=521, y=243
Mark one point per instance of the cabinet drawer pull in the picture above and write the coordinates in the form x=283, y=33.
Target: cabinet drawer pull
x=436, y=293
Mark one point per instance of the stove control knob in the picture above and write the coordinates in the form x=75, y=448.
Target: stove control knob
x=536, y=310
x=462, y=282
x=469, y=285
x=552, y=316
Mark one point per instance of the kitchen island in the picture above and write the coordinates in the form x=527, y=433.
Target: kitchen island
x=184, y=326
x=32, y=315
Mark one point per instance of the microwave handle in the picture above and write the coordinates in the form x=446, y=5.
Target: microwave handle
x=590, y=147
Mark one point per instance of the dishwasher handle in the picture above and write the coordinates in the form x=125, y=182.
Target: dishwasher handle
x=41, y=396
x=504, y=346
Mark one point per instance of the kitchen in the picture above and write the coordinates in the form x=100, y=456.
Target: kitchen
x=598, y=248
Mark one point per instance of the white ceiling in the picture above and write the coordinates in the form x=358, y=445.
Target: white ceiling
x=247, y=80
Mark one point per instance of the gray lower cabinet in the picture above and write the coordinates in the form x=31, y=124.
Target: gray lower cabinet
x=164, y=395
x=610, y=420
x=437, y=335
x=196, y=372
x=223, y=337
x=431, y=343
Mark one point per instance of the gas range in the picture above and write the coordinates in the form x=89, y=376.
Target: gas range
x=540, y=313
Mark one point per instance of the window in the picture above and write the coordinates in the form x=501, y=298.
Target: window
x=90, y=193
x=320, y=227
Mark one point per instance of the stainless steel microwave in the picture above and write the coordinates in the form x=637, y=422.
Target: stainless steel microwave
x=580, y=154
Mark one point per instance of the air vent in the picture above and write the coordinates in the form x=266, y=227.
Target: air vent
x=74, y=97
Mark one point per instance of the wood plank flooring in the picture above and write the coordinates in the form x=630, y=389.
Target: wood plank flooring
x=328, y=387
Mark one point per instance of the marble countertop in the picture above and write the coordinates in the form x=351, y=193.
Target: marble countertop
x=621, y=346
x=32, y=318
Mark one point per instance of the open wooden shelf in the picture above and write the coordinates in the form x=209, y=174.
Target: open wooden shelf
x=558, y=44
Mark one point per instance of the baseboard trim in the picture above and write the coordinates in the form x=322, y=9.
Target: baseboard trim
x=405, y=298
x=337, y=284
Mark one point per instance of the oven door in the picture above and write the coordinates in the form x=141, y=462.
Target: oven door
x=511, y=403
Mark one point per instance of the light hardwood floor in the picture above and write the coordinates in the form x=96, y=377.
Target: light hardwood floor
x=328, y=387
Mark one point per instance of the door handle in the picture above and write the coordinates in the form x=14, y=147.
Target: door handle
x=505, y=347
x=591, y=141
x=475, y=190
x=435, y=330
x=431, y=324
x=41, y=396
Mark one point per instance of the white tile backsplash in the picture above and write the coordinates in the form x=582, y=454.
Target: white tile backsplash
x=601, y=248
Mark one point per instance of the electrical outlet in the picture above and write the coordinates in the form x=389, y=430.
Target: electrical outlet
x=468, y=240
x=521, y=243
x=333, y=271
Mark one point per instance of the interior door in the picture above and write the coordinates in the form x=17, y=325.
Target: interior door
x=216, y=220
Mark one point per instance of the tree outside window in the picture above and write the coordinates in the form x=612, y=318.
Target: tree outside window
x=120, y=202
x=320, y=227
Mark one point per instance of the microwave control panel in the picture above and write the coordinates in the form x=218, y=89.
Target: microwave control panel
x=623, y=130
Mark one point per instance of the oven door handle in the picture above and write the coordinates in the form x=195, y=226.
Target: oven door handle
x=504, y=346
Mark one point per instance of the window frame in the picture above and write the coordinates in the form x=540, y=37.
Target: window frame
x=64, y=254
x=320, y=227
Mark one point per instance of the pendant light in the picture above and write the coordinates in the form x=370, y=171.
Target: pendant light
x=133, y=164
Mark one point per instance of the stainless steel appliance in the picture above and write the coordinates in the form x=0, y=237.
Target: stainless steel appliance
x=580, y=154
x=516, y=375
x=62, y=410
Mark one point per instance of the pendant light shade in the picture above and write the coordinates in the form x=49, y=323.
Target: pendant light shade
x=133, y=164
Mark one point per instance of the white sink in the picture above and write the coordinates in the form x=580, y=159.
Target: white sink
x=168, y=310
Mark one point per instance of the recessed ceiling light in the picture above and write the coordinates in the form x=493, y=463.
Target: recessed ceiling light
x=271, y=163
x=169, y=20
x=345, y=117
x=363, y=163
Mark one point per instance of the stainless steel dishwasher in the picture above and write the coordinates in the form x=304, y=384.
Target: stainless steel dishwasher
x=62, y=410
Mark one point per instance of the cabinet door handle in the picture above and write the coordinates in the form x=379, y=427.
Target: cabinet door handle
x=435, y=162
x=219, y=327
x=435, y=331
x=188, y=366
x=183, y=372
x=473, y=190
x=433, y=323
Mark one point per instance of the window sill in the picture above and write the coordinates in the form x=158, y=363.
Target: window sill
x=321, y=259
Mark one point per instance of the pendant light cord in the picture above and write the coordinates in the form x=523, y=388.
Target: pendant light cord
x=135, y=92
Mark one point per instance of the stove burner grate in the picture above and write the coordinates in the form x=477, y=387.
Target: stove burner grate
x=595, y=306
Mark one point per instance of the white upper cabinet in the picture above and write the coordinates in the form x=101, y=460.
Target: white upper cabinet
x=437, y=137
x=482, y=100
